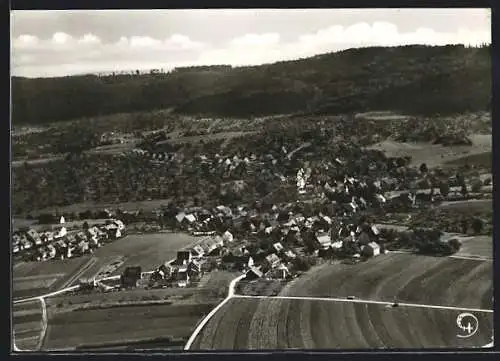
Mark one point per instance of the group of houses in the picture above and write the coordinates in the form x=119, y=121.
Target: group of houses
x=59, y=243
x=189, y=264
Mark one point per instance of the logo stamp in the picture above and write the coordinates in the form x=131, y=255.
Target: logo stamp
x=468, y=325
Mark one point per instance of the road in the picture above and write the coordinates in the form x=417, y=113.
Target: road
x=207, y=318
x=384, y=303
x=470, y=257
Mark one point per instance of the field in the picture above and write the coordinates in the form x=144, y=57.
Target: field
x=283, y=323
x=437, y=155
x=127, y=324
x=473, y=205
x=481, y=160
x=36, y=278
x=403, y=277
x=212, y=288
x=146, y=250
x=160, y=318
x=27, y=325
x=476, y=246
x=327, y=323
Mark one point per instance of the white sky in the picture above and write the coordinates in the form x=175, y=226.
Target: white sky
x=57, y=43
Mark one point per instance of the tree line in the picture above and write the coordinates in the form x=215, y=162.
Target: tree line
x=412, y=79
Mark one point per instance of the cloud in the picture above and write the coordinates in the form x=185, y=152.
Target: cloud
x=63, y=54
x=89, y=39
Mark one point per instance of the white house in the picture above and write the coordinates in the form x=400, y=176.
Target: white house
x=372, y=249
x=278, y=247
x=227, y=237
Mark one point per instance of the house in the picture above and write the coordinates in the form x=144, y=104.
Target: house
x=183, y=257
x=364, y=238
x=218, y=241
x=130, y=277
x=165, y=270
x=61, y=232
x=337, y=245
x=83, y=247
x=181, y=277
x=93, y=235
x=34, y=237
x=253, y=274
x=194, y=269
x=190, y=218
x=278, y=247
x=227, y=237
x=226, y=211
x=272, y=260
x=180, y=217
x=327, y=220
x=323, y=240
x=52, y=251
x=289, y=254
x=71, y=239
x=197, y=251
x=280, y=273
x=371, y=249
x=61, y=249
x=49, y=236
x=81, y=236
x=120, y=224
x=208, y=245
x=250, y=262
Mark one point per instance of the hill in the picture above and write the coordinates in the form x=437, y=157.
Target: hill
x=409, y=79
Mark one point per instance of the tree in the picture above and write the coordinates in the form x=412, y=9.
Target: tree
x=464, y=225
x=477, y=225
x=454, y=244
x=463, y=189
x=85, y=225
x=444, y=188
x=477, y=185
x=423, y=168
x=302, y=264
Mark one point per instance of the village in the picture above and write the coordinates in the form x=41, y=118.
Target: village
x=263, y=240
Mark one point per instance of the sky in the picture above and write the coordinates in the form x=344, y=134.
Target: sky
x=48, y=43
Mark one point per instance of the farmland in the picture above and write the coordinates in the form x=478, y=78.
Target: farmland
x=145, y=250
x=476, y=246
x=27, y=325
x=327, y=323
x=437, y=155
x=282, y=323
x=127, y=324
x=134, y=316
x=404, y=277
x=468, y=206
x=36, y=278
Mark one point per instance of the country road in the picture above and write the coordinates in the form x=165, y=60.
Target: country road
x=383, y=303
x=207, y=318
